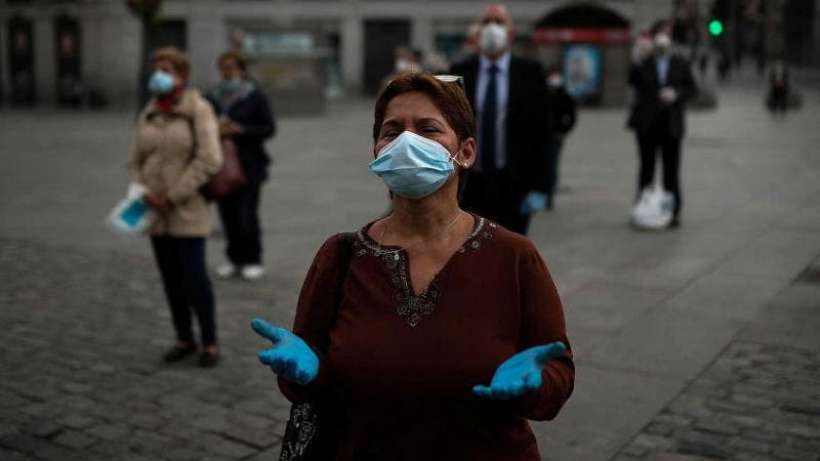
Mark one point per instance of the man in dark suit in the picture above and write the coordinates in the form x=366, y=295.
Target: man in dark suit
x=663, y=83
x=509, y=97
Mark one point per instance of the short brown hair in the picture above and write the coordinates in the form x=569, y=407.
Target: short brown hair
x=236, y=57
x=448, y=98
x=177, y=58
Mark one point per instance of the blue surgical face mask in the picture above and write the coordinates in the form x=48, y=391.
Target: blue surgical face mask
x=161, y=82
x=231, y=85
x=413, y=166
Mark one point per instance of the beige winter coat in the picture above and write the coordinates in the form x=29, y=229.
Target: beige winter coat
x=174, y=153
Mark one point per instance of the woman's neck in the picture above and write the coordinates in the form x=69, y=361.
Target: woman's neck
x=425, y=218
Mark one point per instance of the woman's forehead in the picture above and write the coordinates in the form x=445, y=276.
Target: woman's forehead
x=412, y=105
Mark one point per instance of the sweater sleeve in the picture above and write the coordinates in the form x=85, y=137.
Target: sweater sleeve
x=542, y=322
x=134, y=174
x=315, y=314
x=207, y=156
x=262, y=125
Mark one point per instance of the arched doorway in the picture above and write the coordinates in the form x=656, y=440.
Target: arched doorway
x=590, y=43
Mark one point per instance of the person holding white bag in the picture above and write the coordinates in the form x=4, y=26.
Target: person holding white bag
x=663, y=83
x=174, y=152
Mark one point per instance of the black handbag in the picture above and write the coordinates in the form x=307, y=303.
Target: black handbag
x=306, y=430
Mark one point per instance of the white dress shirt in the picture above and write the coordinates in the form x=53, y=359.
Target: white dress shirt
x=502, y=86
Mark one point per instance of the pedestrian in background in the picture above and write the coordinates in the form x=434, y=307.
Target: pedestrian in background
x=245, y=116
x=174, y=152
x=777, y=99
x=432, y=333
x=564, y=116
x=509, y=98
x=662, y=84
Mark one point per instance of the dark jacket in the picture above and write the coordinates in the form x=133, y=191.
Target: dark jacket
x=564, y=112
x=527, y=117
x=254, y=114
x=648, y=106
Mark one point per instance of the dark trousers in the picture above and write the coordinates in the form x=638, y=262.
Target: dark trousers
x=553, y=160
x=649, y=143
x=240, y=221
x=779, y=99
x=496, y=197
x=181, y=262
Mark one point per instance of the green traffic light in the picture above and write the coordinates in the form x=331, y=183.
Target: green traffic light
x=715, y=27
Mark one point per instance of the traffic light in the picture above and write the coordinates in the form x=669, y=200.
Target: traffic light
x=715, y=27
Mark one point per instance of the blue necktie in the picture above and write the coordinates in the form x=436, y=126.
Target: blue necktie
x=488, y=123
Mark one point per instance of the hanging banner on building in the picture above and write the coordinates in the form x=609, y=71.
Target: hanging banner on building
x=583, y=71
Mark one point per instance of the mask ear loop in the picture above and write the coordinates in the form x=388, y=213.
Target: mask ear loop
x=456, y=161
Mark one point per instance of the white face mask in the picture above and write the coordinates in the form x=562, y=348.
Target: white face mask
x=493, y=39
x=403, y=65
x=663, y=43
x=555, y=80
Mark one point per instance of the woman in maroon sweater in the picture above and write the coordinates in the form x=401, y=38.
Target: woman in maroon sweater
x=446, y=332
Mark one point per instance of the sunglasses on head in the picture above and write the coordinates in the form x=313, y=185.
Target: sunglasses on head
x=457, y=79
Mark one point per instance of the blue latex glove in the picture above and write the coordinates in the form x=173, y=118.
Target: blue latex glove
x=521, y=373
x=534, y=202
x=290, y=357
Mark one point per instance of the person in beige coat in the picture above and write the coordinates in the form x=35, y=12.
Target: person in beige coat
x=175, y=151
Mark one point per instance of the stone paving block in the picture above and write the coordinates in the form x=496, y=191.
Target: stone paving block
x=677, y=457
x=146, y=420
x=748, y=445
x=220, y=446
x=77, y=388
x=791, y=454
x=17, y=441
x=257, y=438
x=705, y=444
x=78, y=421
x=73, y=439
x=109, y=431
x=41, y=428
x=656, y=428
x=183, y=454
x=8, y=455
x=149, y=443
x=266, y=455
x=635, y=450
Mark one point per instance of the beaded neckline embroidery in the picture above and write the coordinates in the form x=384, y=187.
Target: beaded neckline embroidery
x=410, y=307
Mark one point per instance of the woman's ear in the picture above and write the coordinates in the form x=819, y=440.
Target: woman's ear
x=468, y=153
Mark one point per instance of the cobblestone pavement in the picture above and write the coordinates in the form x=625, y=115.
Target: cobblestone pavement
x=82, y=379
x=758, y=400
x=755, y=403
x=84, y=321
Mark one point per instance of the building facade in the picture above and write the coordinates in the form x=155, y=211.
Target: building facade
x=98, y=44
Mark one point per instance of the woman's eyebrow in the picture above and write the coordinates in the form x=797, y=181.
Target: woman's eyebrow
x=390, y=123
x=430, y=119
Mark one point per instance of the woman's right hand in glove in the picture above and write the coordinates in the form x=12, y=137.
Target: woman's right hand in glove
x=290, y=357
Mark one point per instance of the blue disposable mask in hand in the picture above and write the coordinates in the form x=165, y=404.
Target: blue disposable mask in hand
x=413, y=166
x=161, y=82
x=131, y=216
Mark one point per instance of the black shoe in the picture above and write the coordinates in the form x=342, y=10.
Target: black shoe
x=208, y=359
x=177, y=353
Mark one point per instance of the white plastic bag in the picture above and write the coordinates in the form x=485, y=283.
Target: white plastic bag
x=131, y=215
x=654, y=210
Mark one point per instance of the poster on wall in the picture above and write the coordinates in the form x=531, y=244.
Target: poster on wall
x=583, y=71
